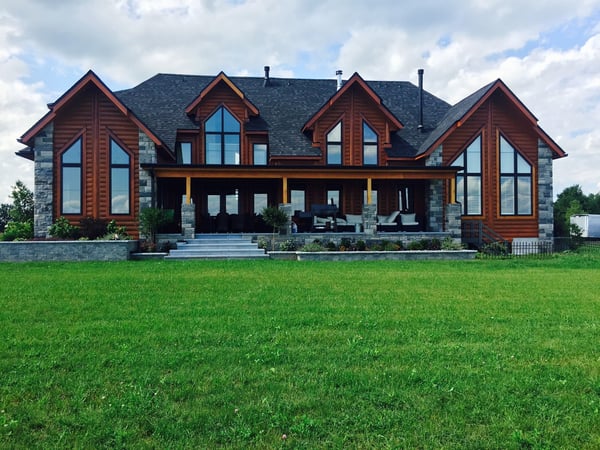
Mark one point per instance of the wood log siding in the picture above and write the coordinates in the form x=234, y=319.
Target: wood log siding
x=498, y=116
x=92, y=112
x=352, y=108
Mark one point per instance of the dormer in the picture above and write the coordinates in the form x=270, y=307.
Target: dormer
x=355, y=123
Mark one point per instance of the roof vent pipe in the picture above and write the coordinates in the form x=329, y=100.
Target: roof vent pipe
x=267, y=81
x=420, y=72
x=338, y=74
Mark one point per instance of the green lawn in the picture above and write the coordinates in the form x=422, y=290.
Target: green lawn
x=479, y=354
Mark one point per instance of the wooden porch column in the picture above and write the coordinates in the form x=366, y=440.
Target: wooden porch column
x=452, y=190
x=369, y=188
x=188, y=190
x=285, y=190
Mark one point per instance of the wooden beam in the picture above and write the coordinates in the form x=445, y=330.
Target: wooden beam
x=369, y=189
x=188, y=190
x=452, y=190
x=285, y=190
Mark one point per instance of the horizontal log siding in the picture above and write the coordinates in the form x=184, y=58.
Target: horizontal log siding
x=91, y=111
x=498, y=115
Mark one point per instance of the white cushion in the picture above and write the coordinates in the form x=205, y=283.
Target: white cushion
x=408, y=219
x=353, y=219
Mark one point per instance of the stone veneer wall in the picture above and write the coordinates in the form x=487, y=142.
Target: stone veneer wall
x=435, y=196
x=545, y=208
x=26, y=251
x=147, y=155
x=43, y=181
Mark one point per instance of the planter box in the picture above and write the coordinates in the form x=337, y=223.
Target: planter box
x=401, y=255
x=26, y=251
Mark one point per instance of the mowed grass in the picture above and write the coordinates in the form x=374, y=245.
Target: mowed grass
x=272, y=354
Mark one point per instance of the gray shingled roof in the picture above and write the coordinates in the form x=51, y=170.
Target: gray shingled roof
x=286, y=105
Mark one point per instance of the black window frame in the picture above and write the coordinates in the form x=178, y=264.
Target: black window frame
x=113, y=165
x=223, y=134
x=467, y=175
x=369, y=144
x=330, y=144
x=78, y=165
x=514, y=175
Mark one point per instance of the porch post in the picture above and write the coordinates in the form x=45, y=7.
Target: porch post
x=453, y=221
x=369, y=189
x=453, y=190
x=285, y=190
x=188, y=190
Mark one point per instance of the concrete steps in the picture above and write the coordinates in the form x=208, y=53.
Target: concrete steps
x=228, y=246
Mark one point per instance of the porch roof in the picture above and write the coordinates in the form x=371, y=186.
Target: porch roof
x=302, y=172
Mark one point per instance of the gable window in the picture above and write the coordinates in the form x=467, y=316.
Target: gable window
x=369, y=145
x=334, y=145
x=260, y=154
x=515, y=182
x=468, y=180
x=70, y=166
x=222, y=137
x=184, y=152
x=119, y=179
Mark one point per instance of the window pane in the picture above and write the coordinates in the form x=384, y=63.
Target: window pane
x=214, y=123
x=474, y=195
x=232, y=149
x=524, y=193
x=460, y=161
x=369, y=154
x=213, y=204
x=460, y=192
x=73, y=154
x=117, y=154
x=230, y=124
x=260, y=154
x=474, y=156
x=297, y=199
x=119, y=186
x=368, y=134
x=260, y=202
x=507, y=195
x=71, y=190
x=335, y=135
x=334, y=154
x=232, y=203
x=186, y=152
x=213, y=149
x=522, y=165
x=333, y=196
x=507, y=157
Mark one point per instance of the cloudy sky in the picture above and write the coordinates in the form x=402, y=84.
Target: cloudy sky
x=547, y=51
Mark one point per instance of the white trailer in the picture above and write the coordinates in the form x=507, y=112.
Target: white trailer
x=588, y=223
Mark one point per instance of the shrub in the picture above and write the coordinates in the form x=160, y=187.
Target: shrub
x=315, y=246
x=115, y=232
x=361, y=245
x=495, y=249
x=150, y=221
x=449, y=244
x=289, y=245
x=93, y=228
x=416, y=245
x=18, y=231
x=389, y=246
x=62, y=229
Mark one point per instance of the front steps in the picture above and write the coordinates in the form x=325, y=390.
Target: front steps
x=215, y=246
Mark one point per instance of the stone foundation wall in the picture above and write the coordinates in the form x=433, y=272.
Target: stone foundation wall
x=43, y=182
x=545, y=208
x=28, y=251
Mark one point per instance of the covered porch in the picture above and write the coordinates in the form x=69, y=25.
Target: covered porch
x=229, y=199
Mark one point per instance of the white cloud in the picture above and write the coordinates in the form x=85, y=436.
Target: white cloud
x=546, y=52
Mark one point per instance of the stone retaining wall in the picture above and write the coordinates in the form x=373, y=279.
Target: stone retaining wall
x=403, y=255
x=27, y=251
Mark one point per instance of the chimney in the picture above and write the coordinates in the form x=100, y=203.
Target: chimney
x=338, y=74
x=420, y=72
x=267, y=81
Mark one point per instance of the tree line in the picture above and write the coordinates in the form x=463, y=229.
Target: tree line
x=573, y=201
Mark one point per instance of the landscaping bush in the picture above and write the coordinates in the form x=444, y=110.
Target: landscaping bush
x=314, y=246
x=93, y=228
x=17, y=231
x=289, y=245
x=62, y=229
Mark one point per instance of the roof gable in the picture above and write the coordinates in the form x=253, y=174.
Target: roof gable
x=357, y=80
x=221, y=78
x=463, y=110
x=89, y=78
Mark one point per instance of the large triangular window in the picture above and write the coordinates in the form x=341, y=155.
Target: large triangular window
x=468, y=180
x=222, y=137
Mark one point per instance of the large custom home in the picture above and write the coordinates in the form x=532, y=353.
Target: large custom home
x=353, y=155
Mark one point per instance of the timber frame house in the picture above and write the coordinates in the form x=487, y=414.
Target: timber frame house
x=218, y=149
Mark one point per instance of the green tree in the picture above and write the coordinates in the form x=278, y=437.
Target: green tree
x=4, y=215
x=151, y=219
x=564, y=202
x=22, y=207
x=275, y=217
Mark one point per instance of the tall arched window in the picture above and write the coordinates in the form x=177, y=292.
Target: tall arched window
x=468, y=180
x=369, y=145
x=515, y=182
x=120, y=195
x=70, y=166
x=222, y=137
x=334, y=145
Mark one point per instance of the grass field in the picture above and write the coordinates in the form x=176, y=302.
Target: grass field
x=273, y=354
